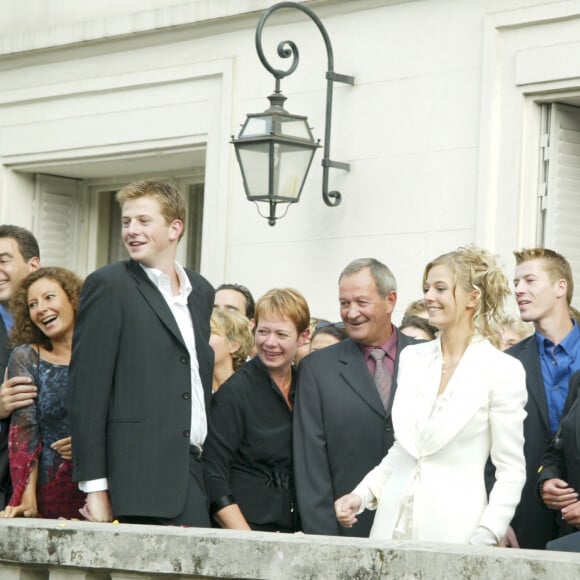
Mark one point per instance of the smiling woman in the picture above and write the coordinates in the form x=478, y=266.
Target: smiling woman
x=44, y=310
x=249, y=446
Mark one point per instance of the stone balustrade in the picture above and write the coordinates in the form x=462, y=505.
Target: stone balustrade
x=65, y=550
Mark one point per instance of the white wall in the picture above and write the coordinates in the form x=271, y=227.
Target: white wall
x=432, y=128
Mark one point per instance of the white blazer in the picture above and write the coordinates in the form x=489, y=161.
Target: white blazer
x=431, y=485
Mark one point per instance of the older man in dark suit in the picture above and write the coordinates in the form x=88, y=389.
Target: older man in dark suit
x=544, y=288
x=342, y=418
x=141, y=372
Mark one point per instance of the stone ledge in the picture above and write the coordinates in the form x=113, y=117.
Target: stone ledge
x=208, y=553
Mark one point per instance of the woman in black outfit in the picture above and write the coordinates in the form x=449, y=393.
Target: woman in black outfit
x=248, y=450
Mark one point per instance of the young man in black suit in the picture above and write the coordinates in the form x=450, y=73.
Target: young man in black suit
x=543, y=288
x=141, y=372
x=19, y=256
x=342, y=428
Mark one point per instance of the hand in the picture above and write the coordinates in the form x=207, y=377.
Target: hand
x=97, y=507
x=510, y=540
x=64, y=448
x=15, y=393
x=22, y=510
x=571, y=514
x=346, y=509
x=557, y=494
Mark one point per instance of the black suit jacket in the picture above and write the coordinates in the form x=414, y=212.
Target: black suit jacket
x=130, y=389
x=562, y=458
x=5, y=487
x=341, y=431
x=533, y=523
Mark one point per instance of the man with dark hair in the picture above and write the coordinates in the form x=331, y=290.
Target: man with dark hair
x=543, y=288
x=235, y=297
x=141, y=370
x=342, y=417
x=19, y=255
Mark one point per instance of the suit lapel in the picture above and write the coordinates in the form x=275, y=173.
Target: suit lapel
x=155, y=299
x=355, y=373
x=534, y=379
x=464, y=395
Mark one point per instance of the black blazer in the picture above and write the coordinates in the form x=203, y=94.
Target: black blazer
x=5, y=487
x=248, y=452
x=534, y=524
x=341, y=431
x=130, y=389
x=562, y=458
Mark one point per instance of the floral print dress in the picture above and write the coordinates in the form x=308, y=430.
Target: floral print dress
x=32, y=431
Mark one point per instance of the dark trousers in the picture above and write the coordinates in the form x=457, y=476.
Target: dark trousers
x=195, y=512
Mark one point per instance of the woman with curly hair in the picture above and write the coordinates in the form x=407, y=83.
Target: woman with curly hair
x=231, y=341
x=459, y=401
x=39, y=447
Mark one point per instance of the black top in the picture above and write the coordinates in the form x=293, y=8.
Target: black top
x=248, y=450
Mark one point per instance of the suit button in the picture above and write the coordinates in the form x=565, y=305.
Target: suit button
x=186, y=396
x=186, y=433
x=184, y=360
x=388, y=428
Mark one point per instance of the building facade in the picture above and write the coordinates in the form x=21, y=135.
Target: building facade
x=462, y=127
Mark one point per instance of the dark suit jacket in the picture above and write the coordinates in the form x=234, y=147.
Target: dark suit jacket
x=562, y=458
x=341, y=431
x=533, y=523
x=5, y=487
x=130, y=389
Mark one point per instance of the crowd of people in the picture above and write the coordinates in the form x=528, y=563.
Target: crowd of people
x=144, y=395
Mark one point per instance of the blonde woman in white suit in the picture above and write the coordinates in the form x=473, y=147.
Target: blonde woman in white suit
x=460, y=400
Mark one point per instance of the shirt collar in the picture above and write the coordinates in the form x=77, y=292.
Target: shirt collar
x=569, y=344
x=161, y=280
x=389, y=346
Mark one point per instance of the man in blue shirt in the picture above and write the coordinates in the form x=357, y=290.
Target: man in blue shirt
x=543, y=288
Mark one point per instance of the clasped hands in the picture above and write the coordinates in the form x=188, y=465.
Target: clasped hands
x=558, y=495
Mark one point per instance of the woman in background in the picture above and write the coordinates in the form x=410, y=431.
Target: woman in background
x=459, y=401
x=231, y=341
x=44, y=309
x=326, y=334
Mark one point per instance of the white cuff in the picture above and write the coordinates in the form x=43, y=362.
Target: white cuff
x=483, y=536
x=101, y=484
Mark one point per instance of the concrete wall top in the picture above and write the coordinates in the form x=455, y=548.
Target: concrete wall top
x=227, y=554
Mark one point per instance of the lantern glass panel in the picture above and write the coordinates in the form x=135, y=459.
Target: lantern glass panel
x=291, y=164
x=254, y=161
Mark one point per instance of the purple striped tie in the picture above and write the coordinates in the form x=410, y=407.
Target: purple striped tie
x=382, y=377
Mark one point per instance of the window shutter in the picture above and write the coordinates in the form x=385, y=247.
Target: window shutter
x=563, y=188
x=58, y=212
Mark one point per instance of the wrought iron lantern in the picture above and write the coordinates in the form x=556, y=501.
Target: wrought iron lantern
x=275, y=148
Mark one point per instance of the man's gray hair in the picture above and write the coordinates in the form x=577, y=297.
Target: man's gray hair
x=382, y=275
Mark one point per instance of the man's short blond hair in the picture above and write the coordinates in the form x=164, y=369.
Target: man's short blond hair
x=555, y=265
x=171, y=201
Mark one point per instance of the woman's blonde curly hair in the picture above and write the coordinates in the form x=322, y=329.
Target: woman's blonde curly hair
x=477, y=269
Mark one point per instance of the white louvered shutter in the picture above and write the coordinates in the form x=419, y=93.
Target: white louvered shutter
x=562, y=218
x=58, y=215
